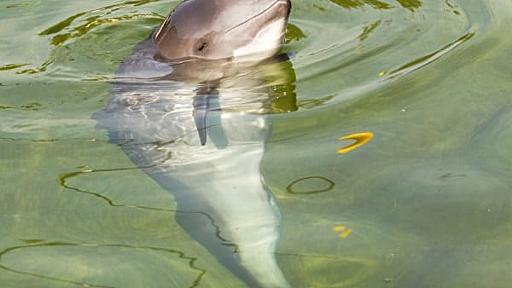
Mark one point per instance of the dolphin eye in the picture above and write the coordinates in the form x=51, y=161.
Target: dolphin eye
x=202, y=46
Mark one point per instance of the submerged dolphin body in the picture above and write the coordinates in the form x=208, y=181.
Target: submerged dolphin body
x=188, y=108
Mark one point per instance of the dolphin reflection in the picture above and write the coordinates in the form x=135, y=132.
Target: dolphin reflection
x=195, y=118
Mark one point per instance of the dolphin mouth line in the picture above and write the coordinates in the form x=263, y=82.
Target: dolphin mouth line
x=266, y=9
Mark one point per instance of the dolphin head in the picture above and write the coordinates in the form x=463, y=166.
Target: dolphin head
x=223, y=29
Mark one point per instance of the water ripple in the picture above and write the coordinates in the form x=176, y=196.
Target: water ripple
x=36, y=244
x=428, y=59
x=65, y=177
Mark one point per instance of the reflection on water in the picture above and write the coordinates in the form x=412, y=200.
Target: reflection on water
x=91, y=23
x=425, y=204
x=408, y=4
x=312, y=103
x=12, y=66
x=358, y=3
x=367, y=30
x=63, y=180
x=41, y=68
x=293, y=33
x=92, y=20
x=32, y=106
x=57, y=249
x=67, y=30
x=325, y=270
x=427, y=59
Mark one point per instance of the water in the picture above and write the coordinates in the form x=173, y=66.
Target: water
x=425, y=203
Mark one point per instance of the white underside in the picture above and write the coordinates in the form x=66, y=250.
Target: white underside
x=229, y=182
x=266, y=43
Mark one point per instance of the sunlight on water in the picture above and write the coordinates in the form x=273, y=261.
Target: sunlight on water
x=422, y=199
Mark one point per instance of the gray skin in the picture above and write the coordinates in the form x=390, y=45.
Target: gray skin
x=188, y=107
x=215, y=29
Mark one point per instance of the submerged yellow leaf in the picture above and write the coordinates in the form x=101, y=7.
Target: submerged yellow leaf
x=359, y=138
x=342, y=231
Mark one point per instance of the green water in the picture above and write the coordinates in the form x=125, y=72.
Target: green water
x=428, y=200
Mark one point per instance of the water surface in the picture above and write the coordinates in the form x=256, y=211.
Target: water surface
x=426, y=203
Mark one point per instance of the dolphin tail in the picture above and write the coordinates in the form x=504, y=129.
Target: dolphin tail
x=262, y=265
x=249, y=214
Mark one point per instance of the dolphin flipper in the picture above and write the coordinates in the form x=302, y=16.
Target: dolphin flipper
x=207, y=123
x=200, y=114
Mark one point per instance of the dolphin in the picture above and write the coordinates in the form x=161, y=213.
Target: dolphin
x=189, y=108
